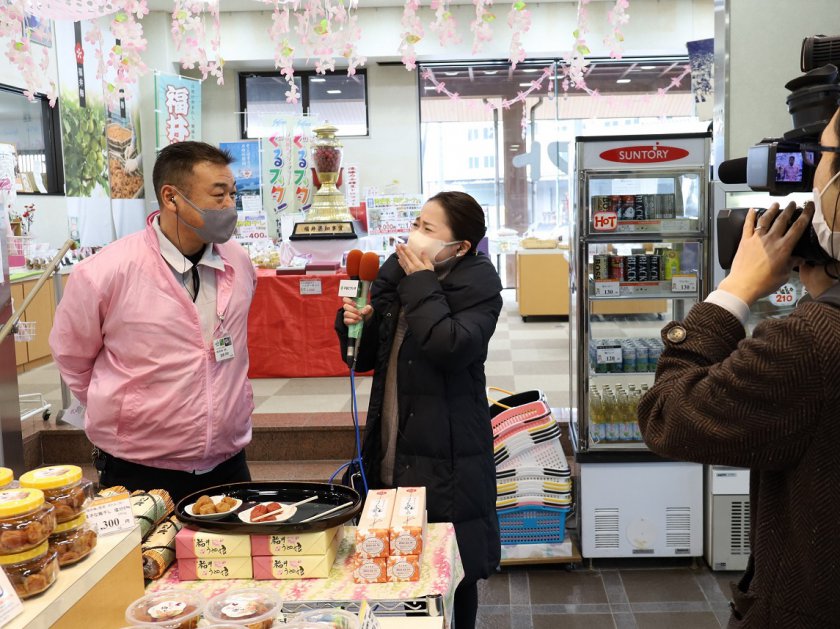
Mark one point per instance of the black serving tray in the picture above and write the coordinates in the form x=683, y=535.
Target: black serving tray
x=288, y=492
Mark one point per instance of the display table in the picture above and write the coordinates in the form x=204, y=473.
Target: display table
x=432, y=595
x=290, y=334
x=93, y=593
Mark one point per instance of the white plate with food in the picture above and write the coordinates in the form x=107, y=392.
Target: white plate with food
x=267, y=513
x=213, y=507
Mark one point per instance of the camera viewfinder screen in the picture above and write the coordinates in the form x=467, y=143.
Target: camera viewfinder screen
x=789, y=167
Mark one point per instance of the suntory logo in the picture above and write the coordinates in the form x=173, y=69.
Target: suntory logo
x=644, y=154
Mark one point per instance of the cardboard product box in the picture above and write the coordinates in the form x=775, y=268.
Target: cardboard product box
x=195, y=569
x=408, y=522
x=294, y=545
x=404, y=568
x=372, y=534
x=191, y=544
x=297, y=567
x=370, y=569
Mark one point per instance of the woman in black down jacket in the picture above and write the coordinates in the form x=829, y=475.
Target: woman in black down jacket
x=434, y=307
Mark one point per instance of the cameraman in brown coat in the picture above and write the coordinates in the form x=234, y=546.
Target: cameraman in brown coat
x=769, y=402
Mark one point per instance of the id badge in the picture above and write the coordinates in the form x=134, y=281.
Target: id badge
x=223, y=348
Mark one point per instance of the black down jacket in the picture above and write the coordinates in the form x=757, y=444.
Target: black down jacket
x=445, y=440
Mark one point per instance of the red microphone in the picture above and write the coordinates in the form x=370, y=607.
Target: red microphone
x=354, y=259
x=368, y=270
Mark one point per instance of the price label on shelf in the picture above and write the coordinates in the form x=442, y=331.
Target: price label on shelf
x=785, y=296
x=310, y=287
x=608, y=355
x=684, y=283
x=111, y=514
x=607, y=288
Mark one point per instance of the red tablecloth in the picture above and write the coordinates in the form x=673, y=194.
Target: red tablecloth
x=291, y=335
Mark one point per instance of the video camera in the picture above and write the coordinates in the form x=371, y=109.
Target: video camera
x=781, y=166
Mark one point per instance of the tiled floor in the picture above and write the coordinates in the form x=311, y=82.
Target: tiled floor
x=645, y=594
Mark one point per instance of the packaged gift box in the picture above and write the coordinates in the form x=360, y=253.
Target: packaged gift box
x=294, y=545
x=370, y=569
x=297, y=567
x=408, y=522
x=403, y=568
x=204, y=569
x=203, y=544
x=372, y=532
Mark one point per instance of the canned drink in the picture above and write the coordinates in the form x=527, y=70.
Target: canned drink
x=615, y=203
x=601, y=267
x=642, y=268
x=669, y=206
x=654, y=352
x=616, y=268
x=627, y=212
x=601, y=202
x=670, y=264
x=642, y=357
x=651, y=206
x=628, y=357
x=639, y=210
x=654, y=266
x=626, y=431
x=628, y=199
x=613, y=431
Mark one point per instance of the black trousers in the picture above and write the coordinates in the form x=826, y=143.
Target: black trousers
x=133, y=476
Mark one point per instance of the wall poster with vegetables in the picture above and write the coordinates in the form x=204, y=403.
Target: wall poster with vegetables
x=101, y=140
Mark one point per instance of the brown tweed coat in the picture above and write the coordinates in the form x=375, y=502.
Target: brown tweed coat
x=770, y=403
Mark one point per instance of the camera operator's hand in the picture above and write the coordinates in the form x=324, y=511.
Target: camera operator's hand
x=763, y=261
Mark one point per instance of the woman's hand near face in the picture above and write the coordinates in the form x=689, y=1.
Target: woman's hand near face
x=409, y=261
x=354, y=315
x=763, y=261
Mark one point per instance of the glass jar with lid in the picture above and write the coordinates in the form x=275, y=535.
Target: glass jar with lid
x=26, y=520
x=32, y=571
x=7, y=477
x=73, y=540
x=63, y=487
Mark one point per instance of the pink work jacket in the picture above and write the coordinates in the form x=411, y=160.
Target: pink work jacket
x=128, y=342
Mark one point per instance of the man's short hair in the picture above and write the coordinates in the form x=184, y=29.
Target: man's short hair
x=174, y=163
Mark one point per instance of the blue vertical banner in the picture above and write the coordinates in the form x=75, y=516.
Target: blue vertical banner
x=246, y=173
x=177, y=109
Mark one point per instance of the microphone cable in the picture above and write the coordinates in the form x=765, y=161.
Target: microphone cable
x=357, y=454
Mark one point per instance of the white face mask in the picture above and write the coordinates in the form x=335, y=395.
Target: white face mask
x=829, y=241
x=419, y=242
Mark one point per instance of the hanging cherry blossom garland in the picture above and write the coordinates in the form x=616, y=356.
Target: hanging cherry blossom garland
x=191, y=39
x=123, y=66
x=617, y=18
x=519, y=20
x=481, y=26
x=21, y=53
x=412, y=33
x=325, y=30
x=445, y=24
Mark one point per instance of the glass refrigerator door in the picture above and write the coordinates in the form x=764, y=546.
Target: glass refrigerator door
x=783, y=301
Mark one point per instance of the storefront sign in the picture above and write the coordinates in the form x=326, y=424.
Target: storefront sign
x=178, y=109
x=644, y=154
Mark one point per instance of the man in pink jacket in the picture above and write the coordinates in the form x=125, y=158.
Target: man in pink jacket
x=151, y=335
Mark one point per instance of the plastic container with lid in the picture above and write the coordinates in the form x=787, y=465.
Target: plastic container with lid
x=7, y=477
x=31, y=572
x=63, y=487
x=336, y=618
x=26, y=521
x=172, y=609
x=255, y=608
x=73, y=540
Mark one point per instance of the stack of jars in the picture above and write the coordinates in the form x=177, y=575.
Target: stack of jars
x=64, y=488
x=26, y=522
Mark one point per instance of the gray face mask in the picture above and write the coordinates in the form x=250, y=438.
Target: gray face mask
x=218, y=224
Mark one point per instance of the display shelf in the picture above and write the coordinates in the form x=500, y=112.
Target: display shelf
x=678, y=227
x=638, y=290
x=92, y=593
x=607, y=446
x=644, y=377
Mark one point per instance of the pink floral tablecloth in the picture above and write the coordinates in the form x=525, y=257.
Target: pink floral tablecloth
x=440, y=573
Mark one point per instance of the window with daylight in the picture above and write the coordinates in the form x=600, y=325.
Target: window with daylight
x=333, y=97
x=33, y=129
x=518, y=167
